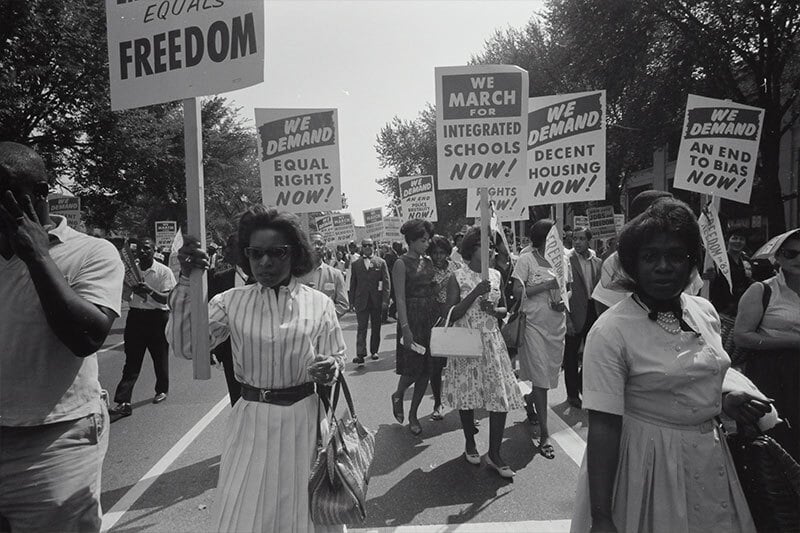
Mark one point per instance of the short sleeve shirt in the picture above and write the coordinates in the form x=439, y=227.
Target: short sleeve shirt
x=41, y=380
x=160, y=278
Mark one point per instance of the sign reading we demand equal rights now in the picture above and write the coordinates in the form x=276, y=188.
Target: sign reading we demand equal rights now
x=160, y=51
x=298, y=152
x=719, y=148
x=418, y=197
x=481, y=126
x=567, y=148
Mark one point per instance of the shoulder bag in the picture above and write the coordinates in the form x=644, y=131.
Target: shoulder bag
x=337, y=487
x=454, y=341
x=739, y=355
x=514, y=330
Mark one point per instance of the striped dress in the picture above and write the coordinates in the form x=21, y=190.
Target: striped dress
x=268, y=449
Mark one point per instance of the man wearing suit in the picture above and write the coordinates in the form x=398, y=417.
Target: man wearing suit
x=369, y=295
x=586, y=268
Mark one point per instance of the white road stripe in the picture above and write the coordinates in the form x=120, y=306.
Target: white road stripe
x=111, y=347
x=121, y=507
x=530, y=526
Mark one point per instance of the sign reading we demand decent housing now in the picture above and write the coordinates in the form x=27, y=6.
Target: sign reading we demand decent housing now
x=160, y=51
x=481, y=126
x=567, y=148
x=719, y=148
x=298, y=152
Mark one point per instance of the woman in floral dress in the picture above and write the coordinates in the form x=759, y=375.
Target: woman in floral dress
x=486, y=382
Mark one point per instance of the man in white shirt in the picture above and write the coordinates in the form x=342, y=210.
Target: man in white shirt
x=144, y=329
x=325, y=278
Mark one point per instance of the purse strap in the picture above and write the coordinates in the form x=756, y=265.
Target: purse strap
x=447, y=320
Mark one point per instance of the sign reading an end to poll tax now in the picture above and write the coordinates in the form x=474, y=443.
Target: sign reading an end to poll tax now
x=719, y=147
x=507, y=203
x=165, y=233
x=160, y=51
x=567, y=148
x=418, y=197
x=373, y=222
x=298, y=152
x=481, y=126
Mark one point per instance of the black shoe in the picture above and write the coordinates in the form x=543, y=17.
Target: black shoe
x=160, y=397
x=575, y=402
x=374, y=357
x=359, y=361
x=121, y=410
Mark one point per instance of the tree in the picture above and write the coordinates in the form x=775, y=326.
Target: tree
x=408, y=148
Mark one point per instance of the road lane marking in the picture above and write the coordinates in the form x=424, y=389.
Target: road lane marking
x=561, y=432
x=530, y=526
x=113, y=516
x=111, y=347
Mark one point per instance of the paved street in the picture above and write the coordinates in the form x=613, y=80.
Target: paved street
x=162, y=462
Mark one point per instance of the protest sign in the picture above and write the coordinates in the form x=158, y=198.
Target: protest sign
x=719, y=147
x=169, y=50
x=298, y=152
x=343, y=229
x=601, y=222
x=481, y=126
x=361, y=234
x=507, y=202
x=418, y=197
x=567, y=148
x=557, y=257
x=174, y=263
x=714, y=241
x=133, y=275
x=165, y=233
x=324, y=225
x=373, y=222
x=68, y=207
x=391, y=229
x=580, y=221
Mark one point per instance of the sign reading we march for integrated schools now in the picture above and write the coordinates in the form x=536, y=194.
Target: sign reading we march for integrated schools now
x=507, y=202
x=169, y=50
x=418, y=197
x=373, y=222
x=567, y=148
x=719, y=148
x=298, y=152
x=481, y=126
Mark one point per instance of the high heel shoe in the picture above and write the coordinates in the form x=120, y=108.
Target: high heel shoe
x=472, y=458
x=502, y=471
x=397, y=408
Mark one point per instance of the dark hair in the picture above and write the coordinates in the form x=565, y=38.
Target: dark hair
x=740, y=232
x=260, y=217
x=21, y=165
x=437, y=241
x=415, y=229
x=568, y=228
x=666, y=216
x=583, y=229
x=539, y=230
x=397, y=246
x=456, y=237
x=645, y=199
x=470, y=243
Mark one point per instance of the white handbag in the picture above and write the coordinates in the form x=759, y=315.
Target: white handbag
x=453, y=341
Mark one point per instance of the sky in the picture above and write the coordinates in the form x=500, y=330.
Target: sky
x=372, y=60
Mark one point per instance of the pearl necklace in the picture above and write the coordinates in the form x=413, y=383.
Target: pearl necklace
x=669, y=323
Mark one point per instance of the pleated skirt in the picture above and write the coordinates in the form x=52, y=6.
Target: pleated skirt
x=670, y=480
x=266, y=463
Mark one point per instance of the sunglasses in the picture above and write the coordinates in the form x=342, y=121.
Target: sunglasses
x=274, y=252
x=789, y=254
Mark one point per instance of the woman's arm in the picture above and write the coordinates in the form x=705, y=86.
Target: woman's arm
x=454, y=295
x=399, y=275
x=602, y=455
x=751, y=311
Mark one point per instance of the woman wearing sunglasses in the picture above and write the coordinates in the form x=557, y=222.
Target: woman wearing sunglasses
x=285, y=339
x=773, y=334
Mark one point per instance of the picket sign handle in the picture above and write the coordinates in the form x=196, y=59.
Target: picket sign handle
x=196, y=217
x=708, y=261
x=484, y=233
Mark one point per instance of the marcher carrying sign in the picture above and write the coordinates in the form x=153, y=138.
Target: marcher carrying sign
x=719, y=148
x=298, y=153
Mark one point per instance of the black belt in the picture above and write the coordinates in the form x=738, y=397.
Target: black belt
x=286, y=396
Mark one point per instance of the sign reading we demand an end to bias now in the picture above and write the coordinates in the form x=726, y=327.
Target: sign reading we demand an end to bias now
x=567, y=148
x=719, y=147
x=481, y=126
x=298, y=152
x=160, y=51
x=418, y=197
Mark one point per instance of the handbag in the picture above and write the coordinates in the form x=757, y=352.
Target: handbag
x=770, y=480
x=337, y=487
x=454, y=341
x=514, y=330
x=739, y=355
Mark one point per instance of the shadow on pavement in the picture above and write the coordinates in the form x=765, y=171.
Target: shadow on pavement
x=170, y=489
x=570, y=415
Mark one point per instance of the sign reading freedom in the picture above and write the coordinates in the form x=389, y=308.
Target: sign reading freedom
x=170, y=50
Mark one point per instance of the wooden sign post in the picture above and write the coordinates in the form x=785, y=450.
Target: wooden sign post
x=485, y=227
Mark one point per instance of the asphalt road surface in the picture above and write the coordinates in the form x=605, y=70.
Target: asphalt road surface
x=162, y=464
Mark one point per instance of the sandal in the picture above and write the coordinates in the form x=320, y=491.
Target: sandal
x=437, y=413
x=397, y=409
x=546, y=450
x=415, y=427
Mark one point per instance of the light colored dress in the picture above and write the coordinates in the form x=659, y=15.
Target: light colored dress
x=268, y=449
x=675, y=473
x=542, y=350
x=487, y=382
